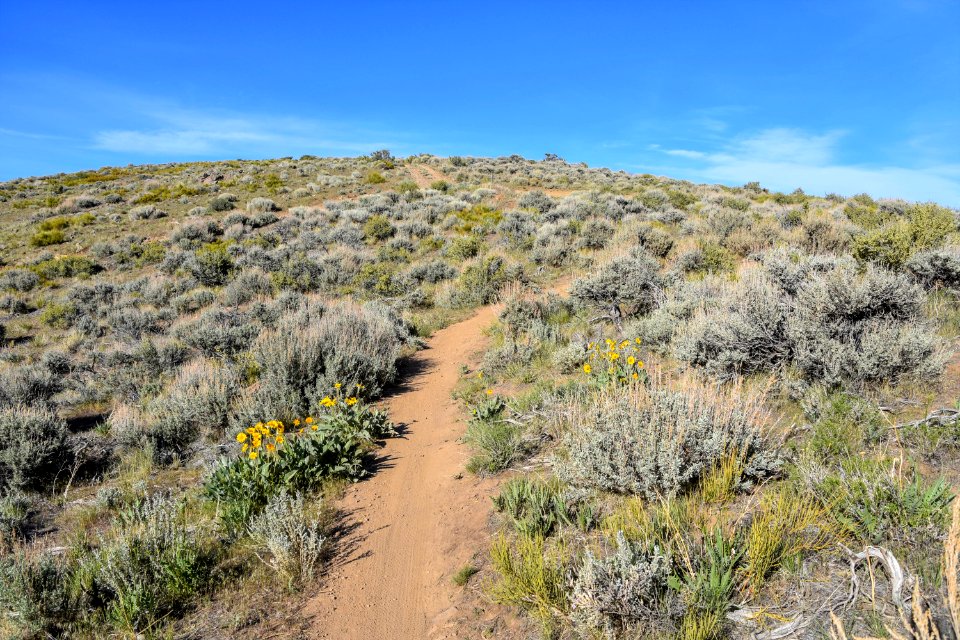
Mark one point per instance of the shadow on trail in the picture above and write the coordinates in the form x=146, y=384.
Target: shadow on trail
x=409, y=371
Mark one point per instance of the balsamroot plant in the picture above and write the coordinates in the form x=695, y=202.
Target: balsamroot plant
x=656, y=441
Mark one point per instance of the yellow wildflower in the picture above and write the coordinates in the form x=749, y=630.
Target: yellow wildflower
x=241, y=437
x=337, y=385
x=636, y=376
x=489, y=392
x=271, y=447
x=614, y=355
x=253, y=455
x=638, y=341
x=631, y=361
x=309, y=420
x=280, y=439
x=314, y=427
x=244, y=448
x=351, y=401
x=587, y=368
x=296, y=422
x=640, y=364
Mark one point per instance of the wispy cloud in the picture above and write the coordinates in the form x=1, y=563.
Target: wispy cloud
x=785, y=159
x=176, y=131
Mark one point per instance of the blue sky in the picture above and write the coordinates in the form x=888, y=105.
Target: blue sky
x=838, y=96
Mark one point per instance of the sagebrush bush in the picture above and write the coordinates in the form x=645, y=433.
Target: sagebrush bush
x=626, y=286
x=218, y=333
x=936, y=267
x=301, y=360
x=862, y=328
x=742, y=332
x=262, y=205
x=654, y=442
x=624, y=587
x=34, y=447
x=195, y=406
x=292, y=538
x=153, y=565
x=37, y=595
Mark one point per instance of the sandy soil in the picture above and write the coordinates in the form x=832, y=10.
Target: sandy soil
x=419, y=518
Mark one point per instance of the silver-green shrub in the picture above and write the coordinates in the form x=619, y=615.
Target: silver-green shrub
x=290, y=537
x=624, y=587
x=34, y=447
x=655, y=442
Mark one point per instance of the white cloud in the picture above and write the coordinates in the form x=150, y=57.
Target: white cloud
x=785, y=159
x=193, y=133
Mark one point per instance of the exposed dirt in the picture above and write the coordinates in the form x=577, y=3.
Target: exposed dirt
x=419, y=519
x=417, y=173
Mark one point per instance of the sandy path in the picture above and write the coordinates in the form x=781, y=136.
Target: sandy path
x=417, y=520
x=416, y=172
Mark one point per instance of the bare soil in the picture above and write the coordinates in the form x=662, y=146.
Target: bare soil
x=419, y=518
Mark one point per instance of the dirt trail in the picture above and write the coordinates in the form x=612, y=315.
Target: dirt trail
x=416, y=172
x=424, y=175
x=417, y=520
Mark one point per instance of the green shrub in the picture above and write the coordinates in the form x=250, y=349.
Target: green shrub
x=844, y=423
x=374, y=177
x=47, y=238
x=533, y=576
x=65, y=267
x=496, y=443
x=37, y=595
x=34, y=447
x=290, y=537
x=378, y=228
x=534, y=507
x=212, y=264
x=923, y=226
x=440, y=185
x=480, y=282
x=464, y=247
x=872, y=501
x=59, y=315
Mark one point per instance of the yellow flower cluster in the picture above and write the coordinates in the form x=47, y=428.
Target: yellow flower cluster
x=615, y=361
x=268, y=437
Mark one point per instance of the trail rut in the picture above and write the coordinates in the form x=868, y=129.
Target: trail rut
x=419, y=518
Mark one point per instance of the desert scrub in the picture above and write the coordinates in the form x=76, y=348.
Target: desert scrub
x=624, y=586
x=289, y=536
x=626, y=286
x=306, y=355
x=154, y=564
x=34, y=447
x=656, y=440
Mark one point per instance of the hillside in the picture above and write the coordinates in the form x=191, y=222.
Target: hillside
x=274, y=398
